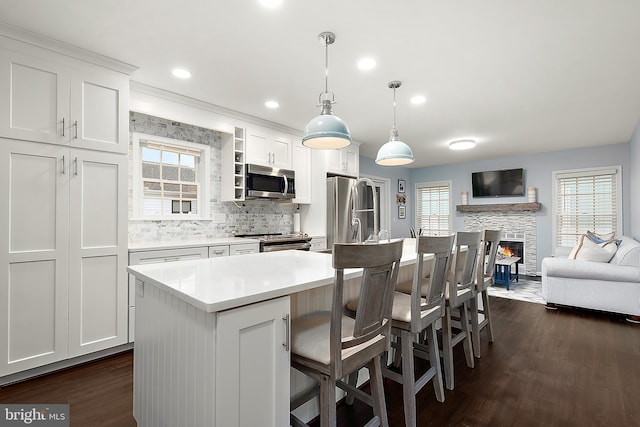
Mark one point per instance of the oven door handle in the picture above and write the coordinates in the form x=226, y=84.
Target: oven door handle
x=299, y=246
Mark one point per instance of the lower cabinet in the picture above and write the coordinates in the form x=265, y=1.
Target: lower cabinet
x=193, y=368
x=252, y=365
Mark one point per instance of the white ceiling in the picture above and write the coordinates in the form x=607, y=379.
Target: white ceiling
x=518, y=76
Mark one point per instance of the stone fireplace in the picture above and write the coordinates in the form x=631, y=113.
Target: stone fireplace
x=519, y=229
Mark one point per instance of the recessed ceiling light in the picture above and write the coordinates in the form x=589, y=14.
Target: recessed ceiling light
x=271, y=4
x=418, y=99
x=181, y=73
x=462, y=144
x=272, y=104
x=366, y=64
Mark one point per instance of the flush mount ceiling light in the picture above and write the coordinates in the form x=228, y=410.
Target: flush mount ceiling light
x=326, y=131
x=181, y=73
x=272, y=104
x=462, y=144
x=394, y=152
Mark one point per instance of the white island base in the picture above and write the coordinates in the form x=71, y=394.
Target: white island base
x=212, y=336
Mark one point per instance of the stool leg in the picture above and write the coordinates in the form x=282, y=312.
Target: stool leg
x=487, y=313
x=475, y=327
x=377, y=391
x=327, y=402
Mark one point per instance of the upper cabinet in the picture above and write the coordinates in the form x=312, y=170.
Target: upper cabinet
x=48, y=97
x=268, y=148
x=345, y=161
x=302, y=167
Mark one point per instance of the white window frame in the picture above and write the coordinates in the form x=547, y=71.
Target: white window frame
x=385, y=206
x=203, y=180
x=556, y=175
x=431, y=184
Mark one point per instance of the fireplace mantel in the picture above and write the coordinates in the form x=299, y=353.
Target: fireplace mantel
x=501, y=207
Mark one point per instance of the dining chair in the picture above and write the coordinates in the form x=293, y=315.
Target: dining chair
x=412, y=315
x=484, y=279
x=459, y=293
x=328, y=345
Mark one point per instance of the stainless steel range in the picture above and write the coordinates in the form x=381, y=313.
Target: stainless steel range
x=280, y=242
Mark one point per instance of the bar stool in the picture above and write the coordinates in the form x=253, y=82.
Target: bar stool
x=484, y=278
x=460, y=292
x=412, y=315
x=328, y=346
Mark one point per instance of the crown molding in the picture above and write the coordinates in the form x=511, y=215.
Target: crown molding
x=60, y=47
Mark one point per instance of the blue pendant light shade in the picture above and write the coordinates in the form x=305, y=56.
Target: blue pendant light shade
x=326, y=131
x=394, y=152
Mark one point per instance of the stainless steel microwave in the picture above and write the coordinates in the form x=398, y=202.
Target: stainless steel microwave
x=271, y=183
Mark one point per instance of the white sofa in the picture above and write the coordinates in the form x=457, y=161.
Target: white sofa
x=612, y=286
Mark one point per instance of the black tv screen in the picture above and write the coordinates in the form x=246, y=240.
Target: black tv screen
x=500, y=183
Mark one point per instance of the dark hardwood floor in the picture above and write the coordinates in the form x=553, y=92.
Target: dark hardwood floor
x=546, y=368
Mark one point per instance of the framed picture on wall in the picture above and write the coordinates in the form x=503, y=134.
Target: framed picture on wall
x=402, y=212
x=401, y=184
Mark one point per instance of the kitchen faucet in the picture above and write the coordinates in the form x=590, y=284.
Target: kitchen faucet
x=355, y=210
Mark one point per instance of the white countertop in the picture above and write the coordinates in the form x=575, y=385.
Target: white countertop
x=216, y=284
x=195, y=242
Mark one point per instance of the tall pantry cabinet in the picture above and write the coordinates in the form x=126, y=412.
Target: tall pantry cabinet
x=63, y=220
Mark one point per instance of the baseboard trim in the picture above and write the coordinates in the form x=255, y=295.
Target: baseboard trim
x=63, y=364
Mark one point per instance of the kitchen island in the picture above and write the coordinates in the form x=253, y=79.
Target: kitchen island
x=212, y=335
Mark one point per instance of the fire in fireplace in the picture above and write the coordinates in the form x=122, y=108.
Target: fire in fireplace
x=513, y=249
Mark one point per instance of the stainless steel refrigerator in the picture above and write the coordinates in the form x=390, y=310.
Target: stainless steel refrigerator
x=340, y=208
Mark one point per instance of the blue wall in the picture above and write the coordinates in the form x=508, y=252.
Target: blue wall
x=538, y=173
x=634, y=188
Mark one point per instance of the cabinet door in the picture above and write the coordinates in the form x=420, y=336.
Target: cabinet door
x=252, y=365
x=100, y=110
x=98, y=251
x=257, y=148
x=34, y=98
x=302, y=166
x=281, y=152
x=351, y=160
x=34, y=230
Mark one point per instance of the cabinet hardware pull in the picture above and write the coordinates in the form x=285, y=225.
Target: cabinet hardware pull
x=75, y=125
x=63, y=167
x=286, y=331
x=75, y=166
x=63, y=126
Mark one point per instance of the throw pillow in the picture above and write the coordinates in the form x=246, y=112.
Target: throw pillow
x=600, y=238
x=588, y=250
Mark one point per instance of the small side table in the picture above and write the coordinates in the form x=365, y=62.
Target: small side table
x=503, y=270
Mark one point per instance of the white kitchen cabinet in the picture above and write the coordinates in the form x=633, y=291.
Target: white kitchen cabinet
x=318, y=243
x=52, y=98
x=302, y=167
x=65, y=221
x=268, y=148
x=244, y=248
x=253, y=365
x=345, y=161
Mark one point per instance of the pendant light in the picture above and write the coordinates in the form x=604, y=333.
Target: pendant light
x=394, y=152
x=326, y=131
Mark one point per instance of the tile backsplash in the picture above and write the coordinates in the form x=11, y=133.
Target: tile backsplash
x=227, y=218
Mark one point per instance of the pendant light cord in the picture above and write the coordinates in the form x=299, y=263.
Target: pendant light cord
x=394, y=109
x=326, y=66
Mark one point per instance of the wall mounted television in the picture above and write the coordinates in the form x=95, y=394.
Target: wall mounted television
x=501, y=183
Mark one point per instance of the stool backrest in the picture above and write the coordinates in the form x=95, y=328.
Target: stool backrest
x=488, y=253
x=464, y=262
x=435, y=279
x=380, y=263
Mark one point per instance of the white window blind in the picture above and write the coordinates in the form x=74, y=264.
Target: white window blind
x=586, y=200
x=433, y=208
